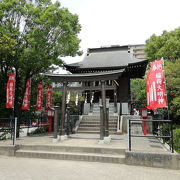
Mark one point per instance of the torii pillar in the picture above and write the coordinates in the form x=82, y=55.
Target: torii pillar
x=62, y=123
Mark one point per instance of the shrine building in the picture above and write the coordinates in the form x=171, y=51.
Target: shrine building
x=103, y=77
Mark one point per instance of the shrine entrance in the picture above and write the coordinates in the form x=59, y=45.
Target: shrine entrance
x=68, y=79
x=105, y=74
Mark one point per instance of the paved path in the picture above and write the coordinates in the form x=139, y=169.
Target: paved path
x=118, y=141
x=12, y=168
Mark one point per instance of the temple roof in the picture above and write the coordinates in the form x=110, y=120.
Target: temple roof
x=107, y=57
x=110, y=59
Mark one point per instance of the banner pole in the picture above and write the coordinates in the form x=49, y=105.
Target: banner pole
x=166, y=90
x=15, y=130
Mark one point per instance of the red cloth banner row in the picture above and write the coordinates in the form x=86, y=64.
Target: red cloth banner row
x=155, y=86
x=39, y=101
x=10, y=94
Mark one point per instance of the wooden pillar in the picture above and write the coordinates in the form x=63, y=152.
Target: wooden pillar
x=62, y=128
x=101, y=123
x=56, y=112
x=103, y=94
x=68, y=120
x=107, y=122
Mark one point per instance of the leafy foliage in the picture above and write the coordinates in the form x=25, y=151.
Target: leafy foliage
x=166, y=45
x=33, y=36
x=176, y=133
x=172, y=71
x=39, y=130
x=138, y=92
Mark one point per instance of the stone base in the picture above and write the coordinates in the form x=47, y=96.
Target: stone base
x=90, y=114
x=115, y=114
x=63, y=137
x=60, y=138
x=55, y=140
x=101, y=142
x=106, y=140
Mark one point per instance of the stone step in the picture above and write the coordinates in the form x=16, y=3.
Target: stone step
x=94, y=129
x=97, y=124
x=94, y=132
x=91, y=117
x=70, y=148
x=97, y=104
x=98, y=116
x=90, y=123
x=98, y=121
x=94, y=157
x=96, y=107
x=98, y=112
x=97, y=128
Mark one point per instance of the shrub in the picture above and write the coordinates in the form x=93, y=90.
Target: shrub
x=40, y=130
x=176, y=133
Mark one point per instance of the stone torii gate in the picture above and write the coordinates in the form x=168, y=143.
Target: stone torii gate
x=87, y=77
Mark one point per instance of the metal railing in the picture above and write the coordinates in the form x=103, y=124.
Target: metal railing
x=27, y=127
x=8, y=128
x=159, y=133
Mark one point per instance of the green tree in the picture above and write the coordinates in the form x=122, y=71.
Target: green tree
x=166, y=45
x=172, y=71
x=33, y=36
x=7, y=51
x=138, y=92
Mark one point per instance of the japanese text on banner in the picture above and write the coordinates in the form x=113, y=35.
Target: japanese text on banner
x=10, y=91
x=39, y=100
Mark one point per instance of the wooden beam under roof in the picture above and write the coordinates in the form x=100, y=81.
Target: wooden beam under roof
x=86, y=77
x=84, y=88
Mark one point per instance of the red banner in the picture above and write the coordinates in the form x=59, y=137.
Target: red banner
x=49, y=97
x=39, y=101
x=10, y=91
x=27, y=94
x=155, y=86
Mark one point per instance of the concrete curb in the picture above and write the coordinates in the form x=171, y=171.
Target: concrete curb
x=151, y=159
x=8, y=150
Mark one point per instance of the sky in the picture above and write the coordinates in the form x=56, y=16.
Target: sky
x=121, y=22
